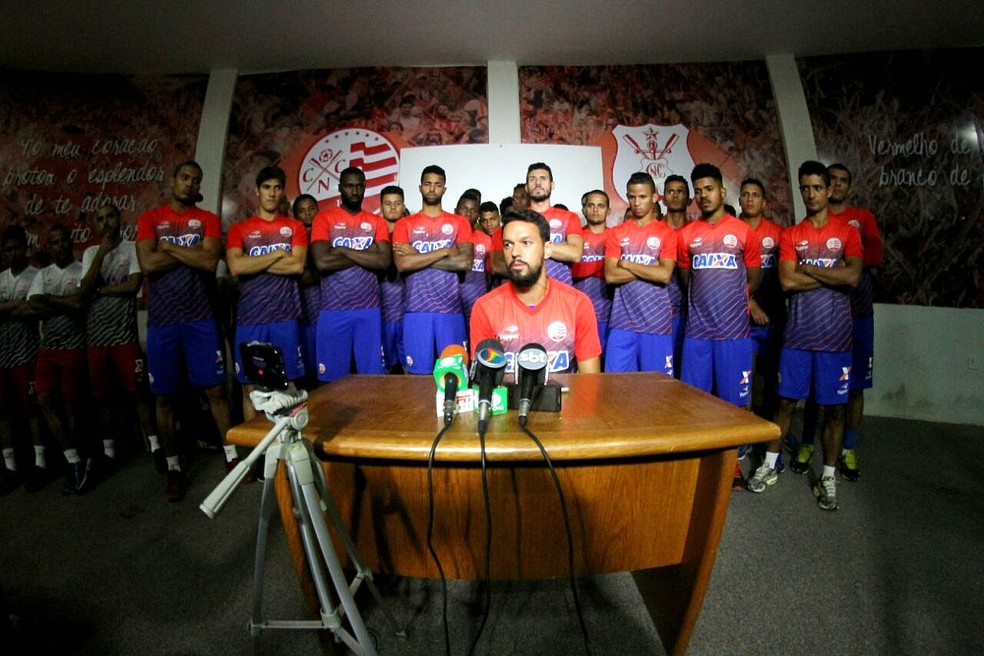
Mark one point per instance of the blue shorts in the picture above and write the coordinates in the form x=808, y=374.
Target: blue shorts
x=863, y=353
x=631, y=351
x=679, y=322
x=828, y=372
x=762, y=339
x=392, y=343
x=344, y=334
x=194, y=347
x=309, y=333
x=721, y=366
x=426, y=334
x=603, y=334
x=286, y=335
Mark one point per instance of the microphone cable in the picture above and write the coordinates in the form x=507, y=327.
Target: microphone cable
x=487, y=580
x=567, y=530
x=430, y=531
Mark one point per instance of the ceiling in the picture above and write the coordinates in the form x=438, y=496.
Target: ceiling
x=195, y=36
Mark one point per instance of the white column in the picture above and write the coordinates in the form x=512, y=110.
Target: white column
x=212, y=132
x=503, y=91
x=794, y=120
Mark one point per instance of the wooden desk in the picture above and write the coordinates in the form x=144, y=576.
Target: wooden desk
x=645, y=462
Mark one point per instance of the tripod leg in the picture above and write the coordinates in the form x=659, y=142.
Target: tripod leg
x=266, y=512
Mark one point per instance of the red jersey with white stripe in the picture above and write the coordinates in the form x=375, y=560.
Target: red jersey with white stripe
x=642, y=306
x=589, y=273
x=354, y=287
x=430, y=289
x=266, y=297
x=862, y=296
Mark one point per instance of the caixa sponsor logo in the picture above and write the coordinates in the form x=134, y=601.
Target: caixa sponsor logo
x=638, y=259
x=768, y=260
x=355, y=243
x=556, y=361
x=183, y=240
x=268, y=248
x=429, y=246
x=715, y=261
x=822, y=262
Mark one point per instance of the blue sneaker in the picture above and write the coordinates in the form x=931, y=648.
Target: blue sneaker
x=743, y=451
x=780, y=465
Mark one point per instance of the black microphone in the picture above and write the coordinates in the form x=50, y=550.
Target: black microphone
x=531, y=373
x=488, y=368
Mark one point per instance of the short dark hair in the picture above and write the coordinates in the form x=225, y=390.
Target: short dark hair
x=529, y=216
x=561, y=206
x=536, y=166
x=813, y=167
x=116, y=210
x=14, y=233
x=271, y=173
x=469, y=195
x=505, y=205
x=641, y=177
x=188, y=162
x=297, y=201
x=584, y=197
x=433, y=168
x=519, y=186
x=352, y=170
x=60, y=227
x=391, y=189
x=706, y=170
x=753, y=181
x=676, y=178
x=842, y=167
x=488, y=206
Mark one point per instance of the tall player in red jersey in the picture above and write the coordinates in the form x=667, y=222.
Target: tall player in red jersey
x=534, y=307
x=819, y=261
x=589, y=273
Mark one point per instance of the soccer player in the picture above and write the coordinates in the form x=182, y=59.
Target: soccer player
x=61, y=365
x=305, y=208
x=431, y=248
x=676, y=195
x=178, y=247
x=267, y=253
x=476, y=280
x=489, y=218
x=589, y=273
x=820, y=259
x=862, y=313
x=351, y=249
x=18, y=353
x=767, y=306
x=392, y=208
x=639, y=260
x=111, y=281
x=534, y=307
x=565, y=227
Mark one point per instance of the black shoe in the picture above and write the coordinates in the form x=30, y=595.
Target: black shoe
x=177, y=486
x=77, y=479
x=9, y=481
x=37, y=479
x=160, y=461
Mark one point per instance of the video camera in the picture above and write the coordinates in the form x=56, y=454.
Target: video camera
x=263, y=364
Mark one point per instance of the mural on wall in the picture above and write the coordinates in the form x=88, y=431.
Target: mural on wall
x=314, y=124
x=910, y=126
x=663, y=120
x=72, y=143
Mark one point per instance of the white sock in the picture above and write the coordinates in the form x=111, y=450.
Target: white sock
x=771, y=458
x=173, y=463
x=109, y=448
x=154, y=443
x=230, y=452
x=8, y=459
x=72, y=456
x=828, y=471
x=39, y=456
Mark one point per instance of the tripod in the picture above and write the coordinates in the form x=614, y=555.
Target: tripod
x=309, y=492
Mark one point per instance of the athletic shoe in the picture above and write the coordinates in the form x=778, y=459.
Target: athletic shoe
x=801, y=463
x=738, y=482
x=763, y=477
x=848, y=465
x=177, y=486
x=780, y=465
x=825, y=490
x=743, y=451
x=9, y=481
x=160, y=461
x=37, y=479
x=790, y=442
x=77, y=478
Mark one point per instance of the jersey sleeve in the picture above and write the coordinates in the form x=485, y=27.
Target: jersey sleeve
x=87, y=257
x=786, y=251
x=464, y=231
x=753, y=249
x=480, y=328
x=612, y=248
x=212, y=225
x=299, y=238
x=319, y=226
x=587, y=344
x=37, y=285
x=683, y=251
x=145, y=227
x=871, y=238
x=496, y=240
x=400, y=234
x=234, y=238
x=852, y=244
x=382, y=230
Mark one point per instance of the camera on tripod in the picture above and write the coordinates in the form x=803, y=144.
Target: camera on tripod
x=263, y=364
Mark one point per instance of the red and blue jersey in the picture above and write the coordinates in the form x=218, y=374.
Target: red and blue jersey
x=819, y=319
x=563, y=323
x=178, y=295
x=642, y=306
x=562, y=224
x=718, y=256
x=769, y=294
x=430, y=289
x=862, y=296
x=589, y=273
x=354, y=287
x=674, y=288
x=267, y=297
x=475, y=282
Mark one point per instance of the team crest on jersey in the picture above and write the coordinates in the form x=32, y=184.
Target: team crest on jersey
x=556, y=224
x=366, y=226
x=447, y=229
x=659, y=150
x=834, y=244
x=653, y=243
x=285, y=231
x=768, y=242
x=730, y=240
x=324, y=162
x=479, y=249
x=194, y=224
x=557, y=331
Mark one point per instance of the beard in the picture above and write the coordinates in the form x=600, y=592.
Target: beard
x=540, y=197
x=527, y=279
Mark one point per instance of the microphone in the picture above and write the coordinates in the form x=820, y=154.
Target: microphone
x=531, y=373
x=451, y=375
x=488, y=368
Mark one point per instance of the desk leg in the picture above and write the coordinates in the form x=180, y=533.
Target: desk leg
x=674, y=594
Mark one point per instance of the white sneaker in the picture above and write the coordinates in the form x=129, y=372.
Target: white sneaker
x=825, y=490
